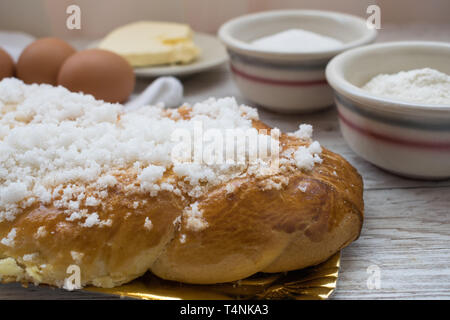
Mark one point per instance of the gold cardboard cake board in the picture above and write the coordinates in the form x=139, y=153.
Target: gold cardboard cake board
x=317, y=282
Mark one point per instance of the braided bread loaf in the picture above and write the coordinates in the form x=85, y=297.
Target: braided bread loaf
x=84, y=183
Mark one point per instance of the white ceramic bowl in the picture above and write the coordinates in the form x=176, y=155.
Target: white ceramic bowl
x=410, y=139
x=288, y=82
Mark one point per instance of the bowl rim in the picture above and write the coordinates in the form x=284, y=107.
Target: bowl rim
x=245, y=48
x=336, y=79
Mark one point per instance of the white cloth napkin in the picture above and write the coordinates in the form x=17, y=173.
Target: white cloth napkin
x=165, y=90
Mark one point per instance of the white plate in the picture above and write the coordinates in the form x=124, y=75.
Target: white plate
x=213, y=54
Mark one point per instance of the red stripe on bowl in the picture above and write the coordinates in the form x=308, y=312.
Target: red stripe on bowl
x=278, y=82
x=394, y=140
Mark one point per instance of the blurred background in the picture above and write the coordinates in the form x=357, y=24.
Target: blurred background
x=48, y=17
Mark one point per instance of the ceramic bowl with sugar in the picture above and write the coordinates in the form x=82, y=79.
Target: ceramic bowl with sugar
x=289, y=82
x=408, y=138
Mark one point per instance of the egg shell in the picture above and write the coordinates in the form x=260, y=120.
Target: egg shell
x=7, y=67
x=103, y=74
x=41, y=60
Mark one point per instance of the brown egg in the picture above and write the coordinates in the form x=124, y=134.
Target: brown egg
x=104, y=74
x=41, y=60
x=7, y=67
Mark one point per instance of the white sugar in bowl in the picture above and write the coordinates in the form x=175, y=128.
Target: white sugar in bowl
x=289, y=82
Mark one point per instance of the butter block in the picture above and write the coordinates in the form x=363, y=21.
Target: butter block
x=148, y=43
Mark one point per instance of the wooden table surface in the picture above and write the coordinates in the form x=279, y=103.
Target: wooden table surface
x=406, y=233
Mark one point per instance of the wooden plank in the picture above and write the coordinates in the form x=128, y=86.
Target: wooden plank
x=406, y=234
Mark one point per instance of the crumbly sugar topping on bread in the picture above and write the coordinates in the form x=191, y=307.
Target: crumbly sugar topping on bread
x=194, y=218
x=68, y=150
x=148, y=224
x=30, y=256
x=304, y=132
x=9, y=239
x=304, y=157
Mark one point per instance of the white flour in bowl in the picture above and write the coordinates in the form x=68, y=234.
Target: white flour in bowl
x=426, y=86
x=296, y=40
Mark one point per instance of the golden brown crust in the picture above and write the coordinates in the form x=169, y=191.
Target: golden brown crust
x=250, y=229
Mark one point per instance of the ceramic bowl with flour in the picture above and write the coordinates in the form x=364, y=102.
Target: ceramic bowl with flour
x=393, y=101
x=278, y=58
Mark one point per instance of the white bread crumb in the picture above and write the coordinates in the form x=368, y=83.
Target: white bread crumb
x=306, y=157
x=40, y=233
x=30, y=256
x=194, y=218
x=9, y=239
x=148, y=224
x=304, y=132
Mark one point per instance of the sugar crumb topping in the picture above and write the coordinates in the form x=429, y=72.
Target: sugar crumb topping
x=9, y=239
x=30, y=256
x=304, y=132
x=306, y=157
x=40, y=233
x=194, y=218
x=93, y=220
x=68, y=149
x=148, y=224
